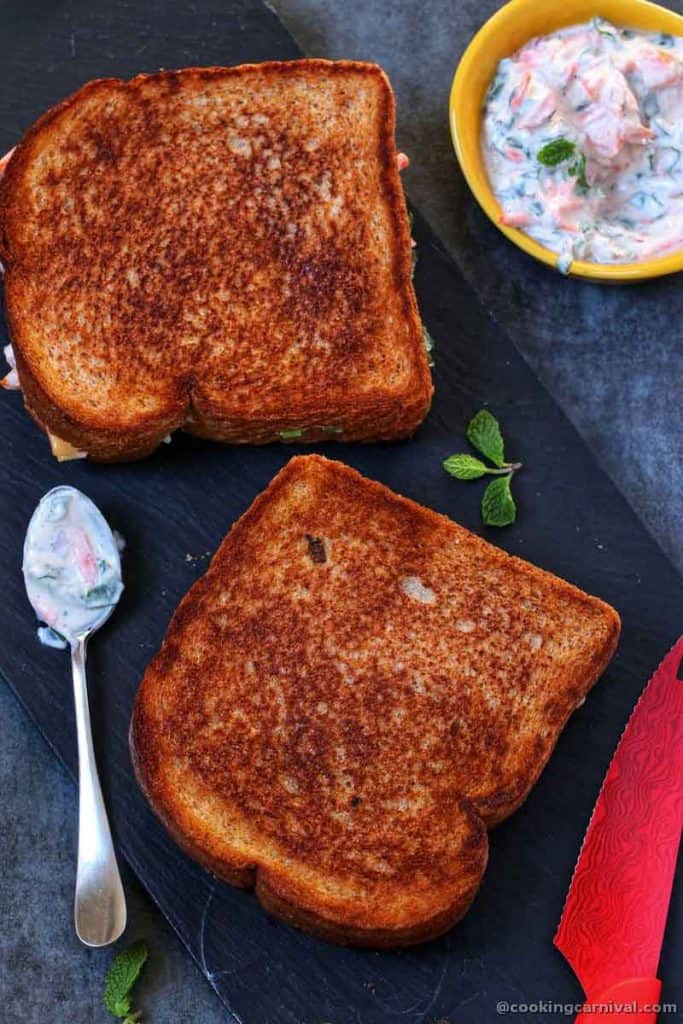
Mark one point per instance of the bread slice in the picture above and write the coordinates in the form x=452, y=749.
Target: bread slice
x=223, y=250
x=351, y=695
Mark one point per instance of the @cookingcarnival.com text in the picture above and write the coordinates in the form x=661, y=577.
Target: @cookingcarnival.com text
x=503, y=1007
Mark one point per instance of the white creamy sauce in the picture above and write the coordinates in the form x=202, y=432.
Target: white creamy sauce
x=71, y=566
x=119, y=540
x=49, y=638
x=11, y=379
x=583, y=143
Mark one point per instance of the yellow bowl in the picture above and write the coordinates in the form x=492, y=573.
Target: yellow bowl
x=503, y=34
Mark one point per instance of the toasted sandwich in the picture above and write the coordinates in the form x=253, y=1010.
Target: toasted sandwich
x=356, y=690
x=220, y=250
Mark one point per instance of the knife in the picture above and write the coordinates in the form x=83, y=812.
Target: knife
x=613, y=921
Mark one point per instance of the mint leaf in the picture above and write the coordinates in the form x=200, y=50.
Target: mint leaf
x=497, y=506
x=121, y=978
x=556, y=152
x=578, y=171
x=465, y=467
x=484, y=434
x=582, y=181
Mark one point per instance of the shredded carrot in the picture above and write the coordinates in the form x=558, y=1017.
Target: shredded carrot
x=515, y=220
x=520, y=92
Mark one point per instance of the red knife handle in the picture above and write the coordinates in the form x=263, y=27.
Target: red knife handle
x=627, y=1002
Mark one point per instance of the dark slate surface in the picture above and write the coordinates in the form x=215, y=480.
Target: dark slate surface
x=596, y=543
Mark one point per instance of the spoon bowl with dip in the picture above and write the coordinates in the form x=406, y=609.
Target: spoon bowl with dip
x=72, y=572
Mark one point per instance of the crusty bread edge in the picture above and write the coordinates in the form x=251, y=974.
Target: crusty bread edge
x=275, y=898
x=487, y=812
x=499, y=805
x=106, y=443
x=20, y=156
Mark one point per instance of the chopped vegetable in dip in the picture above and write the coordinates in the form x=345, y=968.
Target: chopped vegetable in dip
x=583, y=143
x=71, y=566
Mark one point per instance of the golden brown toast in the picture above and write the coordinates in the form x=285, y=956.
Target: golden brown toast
x=353, y=692
x=223, y=250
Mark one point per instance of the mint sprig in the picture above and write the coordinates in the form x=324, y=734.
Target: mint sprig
x=120, y=981
x=483, y=432
x=556, y=152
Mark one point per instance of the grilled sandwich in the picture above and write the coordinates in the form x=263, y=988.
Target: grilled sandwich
x=356, y=690
x=222, y=250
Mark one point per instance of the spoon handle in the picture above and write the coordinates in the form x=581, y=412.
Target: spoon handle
x=100, y=905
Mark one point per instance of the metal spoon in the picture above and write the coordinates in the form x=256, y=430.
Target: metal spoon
x=72, y=571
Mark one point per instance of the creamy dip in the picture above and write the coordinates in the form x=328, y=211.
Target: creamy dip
x=11, y=379
x=72, y=566
x=583, y=143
